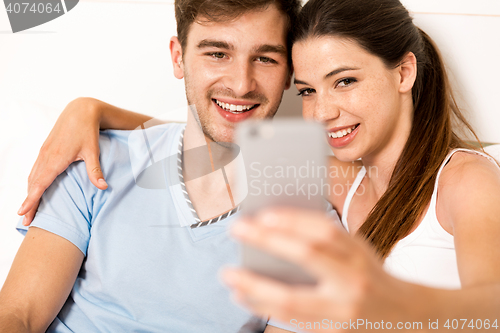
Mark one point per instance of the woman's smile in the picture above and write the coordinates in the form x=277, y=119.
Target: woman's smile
x=342, y=136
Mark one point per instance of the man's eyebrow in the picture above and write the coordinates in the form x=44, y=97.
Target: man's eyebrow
x=266, y=48
x=332, y=73
x=215, y=43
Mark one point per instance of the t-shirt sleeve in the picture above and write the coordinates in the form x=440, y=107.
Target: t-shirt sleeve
x=66, y=207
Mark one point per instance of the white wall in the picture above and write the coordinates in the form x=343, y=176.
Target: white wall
x=114, y=51
x=117, y=51
x=468, y=35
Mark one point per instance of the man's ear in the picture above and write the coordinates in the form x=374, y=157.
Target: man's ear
x=176, y=55
x=407, y=72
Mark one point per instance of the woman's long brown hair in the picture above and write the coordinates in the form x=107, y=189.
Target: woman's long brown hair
x=385, y=29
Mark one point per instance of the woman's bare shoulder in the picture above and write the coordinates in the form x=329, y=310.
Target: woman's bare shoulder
x=468, y=181
x=465, y=169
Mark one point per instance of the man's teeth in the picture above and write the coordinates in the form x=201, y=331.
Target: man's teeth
x=341, y=133
x=234, y=108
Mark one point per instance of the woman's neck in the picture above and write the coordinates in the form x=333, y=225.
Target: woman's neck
x=378, y=175
x=380, y=164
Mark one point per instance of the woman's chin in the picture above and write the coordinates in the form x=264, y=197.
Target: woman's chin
x=345, y=156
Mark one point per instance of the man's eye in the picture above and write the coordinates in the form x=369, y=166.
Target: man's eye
x=305, y=92
x=266, y=60
x=346, y=82
x=218, y=55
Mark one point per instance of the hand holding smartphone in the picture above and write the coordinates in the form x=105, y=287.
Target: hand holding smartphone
x=285, y=165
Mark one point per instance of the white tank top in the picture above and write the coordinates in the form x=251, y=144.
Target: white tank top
x=427, y=255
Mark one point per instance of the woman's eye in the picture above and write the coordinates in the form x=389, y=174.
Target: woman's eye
x=346, y=82
x=305, y=92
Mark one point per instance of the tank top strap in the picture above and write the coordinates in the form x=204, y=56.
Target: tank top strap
x=446, y=160
x=430, y=219
x=359, y=177
x=443, y=164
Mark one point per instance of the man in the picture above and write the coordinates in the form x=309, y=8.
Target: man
x=146, y=258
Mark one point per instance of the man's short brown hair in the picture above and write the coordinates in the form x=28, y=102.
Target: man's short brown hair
x=188, y=11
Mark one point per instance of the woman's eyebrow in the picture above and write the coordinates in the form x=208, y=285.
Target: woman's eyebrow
x=340, y=70
x=332, y=73
x=295, y=81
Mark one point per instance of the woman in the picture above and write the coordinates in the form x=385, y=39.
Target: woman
x=428, y=208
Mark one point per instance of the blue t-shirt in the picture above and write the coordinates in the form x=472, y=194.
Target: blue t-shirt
x=145, y=269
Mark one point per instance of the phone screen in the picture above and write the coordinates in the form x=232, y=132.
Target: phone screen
x=284, y=165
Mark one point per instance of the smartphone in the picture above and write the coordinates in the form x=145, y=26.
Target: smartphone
x=284, y=165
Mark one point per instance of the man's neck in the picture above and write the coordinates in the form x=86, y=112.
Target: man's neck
x=206, y=168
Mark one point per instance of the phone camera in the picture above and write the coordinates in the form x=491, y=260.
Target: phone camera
x=253, y=131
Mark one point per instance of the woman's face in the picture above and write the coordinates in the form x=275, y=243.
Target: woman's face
x=358, y=99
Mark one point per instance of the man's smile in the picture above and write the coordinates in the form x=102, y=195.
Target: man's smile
x=235, y=108
x=235, y=111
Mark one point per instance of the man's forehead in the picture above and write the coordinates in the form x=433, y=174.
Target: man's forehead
x=229, y=18
x=257, y=26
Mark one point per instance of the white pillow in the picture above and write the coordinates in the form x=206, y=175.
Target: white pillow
x=494, y=151
x=25, y=125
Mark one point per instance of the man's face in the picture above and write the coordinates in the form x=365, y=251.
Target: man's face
x=234, y=70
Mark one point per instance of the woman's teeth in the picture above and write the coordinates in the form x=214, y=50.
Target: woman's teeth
x=234, y=108
x=341, y=133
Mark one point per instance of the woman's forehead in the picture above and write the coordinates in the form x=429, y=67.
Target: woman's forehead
x=327, y=49
x=324, y=57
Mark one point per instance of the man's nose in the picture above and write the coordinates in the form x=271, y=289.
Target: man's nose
x=241, y=78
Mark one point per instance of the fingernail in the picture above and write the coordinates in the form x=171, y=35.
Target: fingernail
x=269, y=219
x=229, y=277
x=25, y=221
x=20, y=210
x=240, y=229
x=102, y=182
